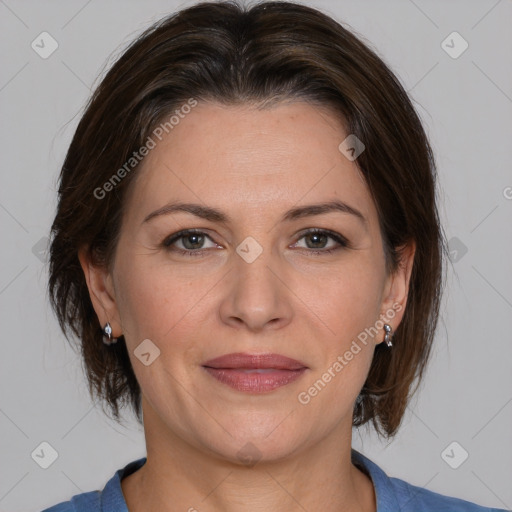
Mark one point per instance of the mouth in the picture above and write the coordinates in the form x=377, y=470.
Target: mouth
x=240, y=360
x=255, y=373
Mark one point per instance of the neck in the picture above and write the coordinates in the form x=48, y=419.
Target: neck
x=179, y=476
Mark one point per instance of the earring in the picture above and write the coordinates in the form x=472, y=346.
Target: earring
x=107, y=335
x=389, y=335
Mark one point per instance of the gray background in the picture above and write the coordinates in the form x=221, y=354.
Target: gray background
x=466, y=104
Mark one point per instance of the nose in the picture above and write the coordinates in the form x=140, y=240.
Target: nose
x=256, y=294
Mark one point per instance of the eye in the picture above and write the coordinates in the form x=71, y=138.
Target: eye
x=317, y=241
x=192, y=242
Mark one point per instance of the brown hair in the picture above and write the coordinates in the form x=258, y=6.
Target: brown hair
x=262, y=54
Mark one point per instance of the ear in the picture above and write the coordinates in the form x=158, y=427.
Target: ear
x=397, y=288
x=101, y=290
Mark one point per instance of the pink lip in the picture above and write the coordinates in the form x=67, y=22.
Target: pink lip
x=253, y=361
x=256, y=373
x=241, y=380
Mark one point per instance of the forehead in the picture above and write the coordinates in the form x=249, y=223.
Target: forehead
x=242, y=157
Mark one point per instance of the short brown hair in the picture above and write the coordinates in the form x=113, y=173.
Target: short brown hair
x=262, y=54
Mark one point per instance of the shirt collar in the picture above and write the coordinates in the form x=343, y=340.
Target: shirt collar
x=386, y=498
x=112, y=498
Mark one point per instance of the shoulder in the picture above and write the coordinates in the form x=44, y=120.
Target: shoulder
x=412, y=498
x=109, y=499
x=85, y=502
x=394, y=494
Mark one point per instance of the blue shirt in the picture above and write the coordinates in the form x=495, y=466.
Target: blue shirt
x=393, y=494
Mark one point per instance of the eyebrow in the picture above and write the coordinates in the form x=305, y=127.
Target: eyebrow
x=215, y=215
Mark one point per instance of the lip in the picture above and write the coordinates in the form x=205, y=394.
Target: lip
x=255, y=373
x=238, y=360
x=250, y=381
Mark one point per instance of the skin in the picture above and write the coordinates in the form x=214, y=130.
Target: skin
x=254, y=165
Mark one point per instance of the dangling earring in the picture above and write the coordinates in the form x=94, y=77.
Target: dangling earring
x=389, y=335
x=107, y=335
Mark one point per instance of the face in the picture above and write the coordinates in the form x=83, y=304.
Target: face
x=253, y=279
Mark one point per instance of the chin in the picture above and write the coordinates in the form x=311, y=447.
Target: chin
x=268, y=440
x=251, y=451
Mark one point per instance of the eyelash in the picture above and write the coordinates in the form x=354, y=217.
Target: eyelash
x=341, y=240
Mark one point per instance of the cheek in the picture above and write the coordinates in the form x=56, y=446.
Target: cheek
x=346, y=298
x=341, y=303
x=155, y=304
x=153, y=300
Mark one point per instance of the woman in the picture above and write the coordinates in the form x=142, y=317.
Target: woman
x=248, y=247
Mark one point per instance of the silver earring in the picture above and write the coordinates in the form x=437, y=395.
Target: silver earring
x=108, y=339
x=389, y=335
